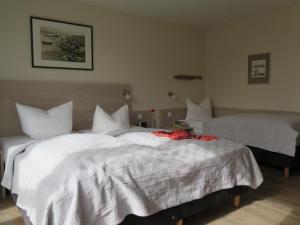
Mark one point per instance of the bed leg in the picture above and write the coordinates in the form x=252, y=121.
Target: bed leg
x=3, y=194
x=286, y=172
x=237, y=201
x=179, y=222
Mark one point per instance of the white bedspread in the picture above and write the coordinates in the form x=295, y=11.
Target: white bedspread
x=273, y=132
x=94, y=179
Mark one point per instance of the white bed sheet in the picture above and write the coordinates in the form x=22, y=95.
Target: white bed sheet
x=94, y=179
x=10, y=144
x=273, y=132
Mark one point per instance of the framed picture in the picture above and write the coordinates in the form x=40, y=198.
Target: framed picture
x=259, y=68
x=61, y=45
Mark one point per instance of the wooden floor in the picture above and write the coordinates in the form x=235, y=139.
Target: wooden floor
x=276, y=202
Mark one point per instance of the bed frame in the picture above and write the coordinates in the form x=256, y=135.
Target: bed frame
x=176, y=215
x=261, y=155
x=277, y=159
x=85, y=96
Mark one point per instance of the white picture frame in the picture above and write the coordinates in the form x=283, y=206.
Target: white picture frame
x=259, y=68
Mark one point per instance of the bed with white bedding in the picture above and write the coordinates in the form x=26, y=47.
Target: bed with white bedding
x=273, y=132
x=99, y=179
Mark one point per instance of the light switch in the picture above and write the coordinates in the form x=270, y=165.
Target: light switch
x=170, y=114
x=140, y=116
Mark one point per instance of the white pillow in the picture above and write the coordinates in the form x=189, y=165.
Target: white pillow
x=38, y=123
x=105, y=123
x=200, y=112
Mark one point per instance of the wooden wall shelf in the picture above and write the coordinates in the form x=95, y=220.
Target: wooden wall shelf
x=187, y=77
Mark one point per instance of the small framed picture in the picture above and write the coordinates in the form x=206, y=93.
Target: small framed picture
x=259, y=68
x=61, y=45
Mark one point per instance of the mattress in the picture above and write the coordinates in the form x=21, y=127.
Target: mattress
x=273, y=132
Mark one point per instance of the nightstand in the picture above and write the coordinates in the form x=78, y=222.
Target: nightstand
x=2, y=189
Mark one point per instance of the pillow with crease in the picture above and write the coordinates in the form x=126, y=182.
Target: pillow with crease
x=38, y=123
x=200, y=112
x=105, y=123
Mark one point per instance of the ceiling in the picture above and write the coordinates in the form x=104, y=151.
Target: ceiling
x=198, y=13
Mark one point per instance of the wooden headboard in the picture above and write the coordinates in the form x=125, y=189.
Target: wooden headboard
x=44, y=94
x=219, y=111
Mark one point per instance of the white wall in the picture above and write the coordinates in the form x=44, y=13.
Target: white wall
x=146, y=53
x=226, y=62
x=130, y=49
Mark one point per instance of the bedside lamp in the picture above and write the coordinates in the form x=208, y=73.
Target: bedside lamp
x=172, y=95
x=126, y=94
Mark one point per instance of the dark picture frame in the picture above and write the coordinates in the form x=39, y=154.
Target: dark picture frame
x=259, y=68
x=61, y=45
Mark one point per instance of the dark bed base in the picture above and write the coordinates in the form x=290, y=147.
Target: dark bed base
x=172, y=215
x=277, y=159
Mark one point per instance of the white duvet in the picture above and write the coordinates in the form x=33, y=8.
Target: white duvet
x=94, y=179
